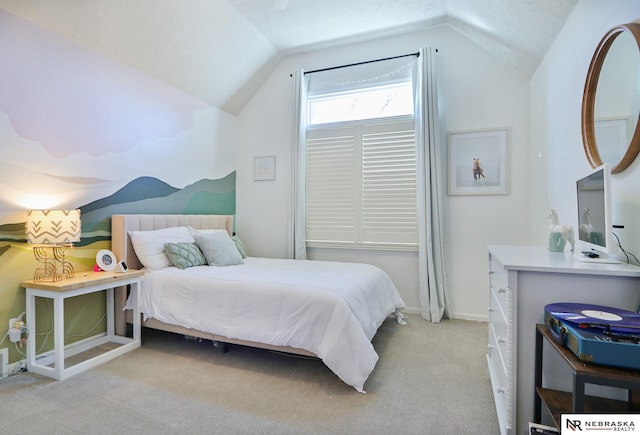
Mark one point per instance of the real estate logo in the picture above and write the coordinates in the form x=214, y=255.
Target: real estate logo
x=629, y=423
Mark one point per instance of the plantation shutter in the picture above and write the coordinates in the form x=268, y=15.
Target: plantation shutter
x=331, y=189
x=361, y=184
x=389, y=213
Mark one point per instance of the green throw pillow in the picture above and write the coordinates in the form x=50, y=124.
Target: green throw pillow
x=184, y=255
x=240, y=246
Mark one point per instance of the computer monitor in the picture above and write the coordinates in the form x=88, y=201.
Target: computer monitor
x=595, y=229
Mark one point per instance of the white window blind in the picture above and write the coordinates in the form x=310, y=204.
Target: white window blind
x=361, y=184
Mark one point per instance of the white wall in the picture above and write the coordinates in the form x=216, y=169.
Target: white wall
x=557, y=156
x=476, y=92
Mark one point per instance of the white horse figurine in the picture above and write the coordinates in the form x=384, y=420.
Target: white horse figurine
x=559, y=234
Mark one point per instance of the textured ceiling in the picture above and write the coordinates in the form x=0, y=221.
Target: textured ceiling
x=195, y=45
x=518, y=31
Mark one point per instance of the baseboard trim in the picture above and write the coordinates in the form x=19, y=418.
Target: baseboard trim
x=455, y=316
x=468, y=316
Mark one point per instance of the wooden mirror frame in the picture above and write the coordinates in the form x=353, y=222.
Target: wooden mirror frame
x=589, y=100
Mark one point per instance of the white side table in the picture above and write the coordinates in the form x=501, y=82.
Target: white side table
x=82, y=283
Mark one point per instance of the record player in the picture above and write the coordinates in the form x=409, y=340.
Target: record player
x=597, y=334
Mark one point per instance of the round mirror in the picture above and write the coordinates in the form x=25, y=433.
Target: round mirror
x=611, y=102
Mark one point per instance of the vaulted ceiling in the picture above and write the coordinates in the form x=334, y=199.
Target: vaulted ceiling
x=218, y=50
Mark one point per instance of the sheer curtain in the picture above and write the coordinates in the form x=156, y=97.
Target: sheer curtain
x=432, y=278
x=297, y=246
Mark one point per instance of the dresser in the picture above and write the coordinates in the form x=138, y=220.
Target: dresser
x=522, y=280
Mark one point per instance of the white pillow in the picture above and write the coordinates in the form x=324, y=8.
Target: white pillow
x=195, y=231
x=218, y=248
x=149, y=245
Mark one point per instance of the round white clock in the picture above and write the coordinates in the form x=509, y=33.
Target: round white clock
x=106, y=260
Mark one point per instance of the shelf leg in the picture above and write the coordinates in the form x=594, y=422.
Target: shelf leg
x=537, y=403
x=578, y=393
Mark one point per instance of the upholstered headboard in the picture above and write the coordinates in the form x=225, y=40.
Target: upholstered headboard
x=121, y=224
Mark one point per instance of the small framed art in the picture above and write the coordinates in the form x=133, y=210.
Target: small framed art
x=264, y=168
x=478, y=162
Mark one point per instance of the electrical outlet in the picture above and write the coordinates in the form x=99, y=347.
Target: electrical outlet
x=16, y=328
x=12, y=322
x=14, y=333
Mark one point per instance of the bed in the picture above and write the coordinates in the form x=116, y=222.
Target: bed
x=328, y=310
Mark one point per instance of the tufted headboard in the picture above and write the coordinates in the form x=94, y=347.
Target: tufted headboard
x=121, y=224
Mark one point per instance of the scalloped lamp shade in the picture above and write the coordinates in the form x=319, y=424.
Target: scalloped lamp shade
x=53, y=232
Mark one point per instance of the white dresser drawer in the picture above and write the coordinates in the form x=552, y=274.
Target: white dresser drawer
x=501, y=354
x=499, y=385
x=499, y=281
x=500, y=324
x=497, y=356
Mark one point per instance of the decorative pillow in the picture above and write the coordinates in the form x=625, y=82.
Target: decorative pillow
x=195, y=231
x=240, y=246
x=218, y=248
x=183, y=255
x=149, y=245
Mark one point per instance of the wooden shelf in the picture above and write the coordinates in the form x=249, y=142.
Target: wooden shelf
x=83, y=280
x=560, y=402
x=588, y=369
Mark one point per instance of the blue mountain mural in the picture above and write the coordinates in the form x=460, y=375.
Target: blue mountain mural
x=137, y=190
x=145, y=195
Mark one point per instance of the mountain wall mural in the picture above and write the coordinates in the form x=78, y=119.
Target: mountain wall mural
x=140, y=196
x=80, y=130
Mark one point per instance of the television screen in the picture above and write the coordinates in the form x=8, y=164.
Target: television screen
x=595, y=230
x=592, y=209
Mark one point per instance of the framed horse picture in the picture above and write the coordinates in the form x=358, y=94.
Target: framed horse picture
x=478, y=162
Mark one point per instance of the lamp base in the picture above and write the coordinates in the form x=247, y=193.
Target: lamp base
x=55, y=266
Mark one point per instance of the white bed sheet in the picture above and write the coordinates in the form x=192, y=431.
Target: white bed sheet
x=331, y=309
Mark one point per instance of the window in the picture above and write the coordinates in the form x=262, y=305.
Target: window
x=361, y=168
x=379, y=102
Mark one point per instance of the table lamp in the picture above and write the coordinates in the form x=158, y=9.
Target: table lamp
x=52, y=232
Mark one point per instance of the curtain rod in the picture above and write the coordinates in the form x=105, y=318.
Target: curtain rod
x=417, y=54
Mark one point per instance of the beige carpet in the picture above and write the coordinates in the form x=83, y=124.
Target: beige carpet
x=430, y=379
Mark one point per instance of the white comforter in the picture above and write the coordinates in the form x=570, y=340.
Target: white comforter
x=331, y=309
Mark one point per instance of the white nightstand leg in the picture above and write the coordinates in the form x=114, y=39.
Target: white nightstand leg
x=135, y=293
x=110, y=311
x=31, y=321
x=58, y=335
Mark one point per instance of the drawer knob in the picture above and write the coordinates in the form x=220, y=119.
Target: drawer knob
x=502, y=290
x=501, y=339
x=491, y=310
x=491, y=272
x=500, y=390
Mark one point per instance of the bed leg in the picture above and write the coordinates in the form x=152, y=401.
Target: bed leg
x=220, y=344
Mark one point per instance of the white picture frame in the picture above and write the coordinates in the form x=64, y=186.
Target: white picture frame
x=478, y=162
x=264, y=168
x=612, y=137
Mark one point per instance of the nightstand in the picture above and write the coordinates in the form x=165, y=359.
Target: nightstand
x=82, y=283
